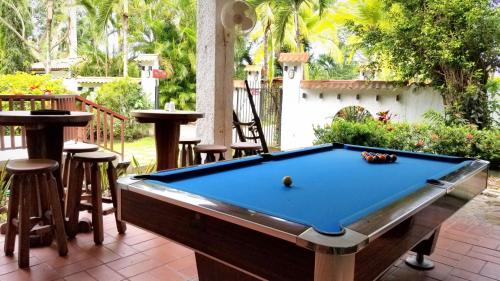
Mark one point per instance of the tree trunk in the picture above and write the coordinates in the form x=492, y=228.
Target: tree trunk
x=125, y=38
x=106, y=63
x=297, y=30
x=73, y=37
x=50, y=14
x=266, y=54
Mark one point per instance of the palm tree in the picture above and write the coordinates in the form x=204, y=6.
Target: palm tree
x=287, y=10
x=263, y=30
x=104, y=12
x=168, y=28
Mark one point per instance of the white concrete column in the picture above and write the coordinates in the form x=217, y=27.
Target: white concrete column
x=214, y=74
x=291, y=105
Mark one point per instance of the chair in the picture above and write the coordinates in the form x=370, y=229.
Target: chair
x=32, y=181
x=94, y=159
x=253, y=133
x=248, y=138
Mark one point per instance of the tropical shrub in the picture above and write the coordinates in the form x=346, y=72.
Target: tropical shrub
x=437, y=42
x=22, y=83
x=124, y=96
x=459, y=140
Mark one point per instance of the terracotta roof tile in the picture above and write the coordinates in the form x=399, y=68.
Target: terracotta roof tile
x=293, y=57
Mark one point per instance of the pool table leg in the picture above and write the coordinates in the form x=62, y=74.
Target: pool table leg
x=425, y=247
x=329, y=267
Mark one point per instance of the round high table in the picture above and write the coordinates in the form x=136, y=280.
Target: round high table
x=45, y=137
x=167, y=131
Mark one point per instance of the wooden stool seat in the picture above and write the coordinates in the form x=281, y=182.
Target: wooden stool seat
x=74, y=206
x=32, y=180
x=31, y=166
x=95, y=157
x=246, y=146
x=80, y=147
x=189, y=141
x=210, y=150
x=245, y=149
x=213, y=148
x=71, y=148
x=186, y=154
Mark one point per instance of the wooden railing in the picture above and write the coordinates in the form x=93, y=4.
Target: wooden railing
x=100, y=131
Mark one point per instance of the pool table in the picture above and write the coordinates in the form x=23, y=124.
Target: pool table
x=341, y=219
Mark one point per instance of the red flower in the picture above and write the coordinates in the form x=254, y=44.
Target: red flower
x=420, y=143
x=469, y=136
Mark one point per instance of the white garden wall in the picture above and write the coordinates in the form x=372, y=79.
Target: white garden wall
x=312, y=103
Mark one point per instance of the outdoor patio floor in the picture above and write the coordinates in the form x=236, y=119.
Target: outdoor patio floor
x=468, y=249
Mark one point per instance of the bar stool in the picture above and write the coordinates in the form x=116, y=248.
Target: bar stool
x=245, y=149
x=32, y=181
x=71, y=149
x=187, y=154
x=210, y=150
x=75, y=193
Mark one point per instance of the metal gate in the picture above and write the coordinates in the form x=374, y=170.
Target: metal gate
x=267, y=98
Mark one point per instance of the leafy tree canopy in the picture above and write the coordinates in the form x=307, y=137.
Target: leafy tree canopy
x=453, y=45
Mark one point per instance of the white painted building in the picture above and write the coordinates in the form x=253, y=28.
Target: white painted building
x=148, y=63
x=61, y=69
x=308, y=103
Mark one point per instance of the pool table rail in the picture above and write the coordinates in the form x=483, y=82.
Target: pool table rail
x=264, y=223
x=357, y=235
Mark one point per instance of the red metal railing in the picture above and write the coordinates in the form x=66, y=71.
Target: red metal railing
x=100, y=131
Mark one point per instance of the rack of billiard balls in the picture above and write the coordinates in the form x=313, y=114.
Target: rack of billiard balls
x=373, y=157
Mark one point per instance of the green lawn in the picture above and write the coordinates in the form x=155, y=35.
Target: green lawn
x=142, y=149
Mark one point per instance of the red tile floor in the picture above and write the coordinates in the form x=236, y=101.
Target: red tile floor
x=468, y=249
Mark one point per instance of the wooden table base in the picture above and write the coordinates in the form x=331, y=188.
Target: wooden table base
x=46, y=143
x=167, y=144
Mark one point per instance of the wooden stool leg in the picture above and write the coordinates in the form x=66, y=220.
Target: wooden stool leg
x=190, y=155
x=67, y=163
x=24, y=223
x=74, y=195
x=10, y=235
x=210, y=158
x=87, y=176
x=57, y=217
x=221, y=157
x=95, y=179
x=197, y=159
x=183, y=155
x=120, y=226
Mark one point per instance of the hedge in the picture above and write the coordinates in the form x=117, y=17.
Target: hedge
x=464, y=141
x=123, y=96
x=23, y=83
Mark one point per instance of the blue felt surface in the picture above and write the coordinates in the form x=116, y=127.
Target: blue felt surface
x=330, y=188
